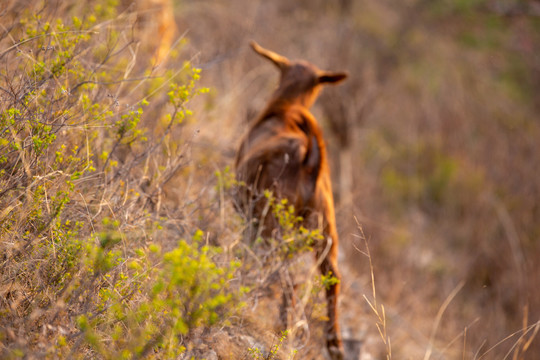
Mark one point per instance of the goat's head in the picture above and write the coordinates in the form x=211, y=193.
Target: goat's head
x=300, y=81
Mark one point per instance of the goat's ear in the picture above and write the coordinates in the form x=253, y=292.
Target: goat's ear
x=332, y=77
x=280, y=61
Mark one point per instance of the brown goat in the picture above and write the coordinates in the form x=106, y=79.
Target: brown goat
x=284, y=151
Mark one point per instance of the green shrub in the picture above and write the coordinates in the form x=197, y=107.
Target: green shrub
x=81, y=275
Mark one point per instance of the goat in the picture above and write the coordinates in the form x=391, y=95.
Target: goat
x=284, y=151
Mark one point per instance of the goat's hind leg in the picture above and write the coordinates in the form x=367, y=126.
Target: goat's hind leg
x=329, y=267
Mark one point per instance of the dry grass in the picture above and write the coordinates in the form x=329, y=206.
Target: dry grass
x=434, y=151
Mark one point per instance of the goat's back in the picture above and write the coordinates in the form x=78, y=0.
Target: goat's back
x=284, y=152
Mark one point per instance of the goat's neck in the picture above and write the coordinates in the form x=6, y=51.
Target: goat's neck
x=284, y=100
x=283, y=105
x=285, y=111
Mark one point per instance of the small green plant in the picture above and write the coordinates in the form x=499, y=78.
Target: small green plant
x=273, y=354
x=295, y=237
x=155, y=308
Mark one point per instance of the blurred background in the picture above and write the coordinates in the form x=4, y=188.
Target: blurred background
x=434, y=154
x=433, y=143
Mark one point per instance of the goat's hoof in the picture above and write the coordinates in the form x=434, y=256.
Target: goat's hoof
x=335, y=353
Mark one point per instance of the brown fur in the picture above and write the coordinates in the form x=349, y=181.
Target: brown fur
x=284, y=151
